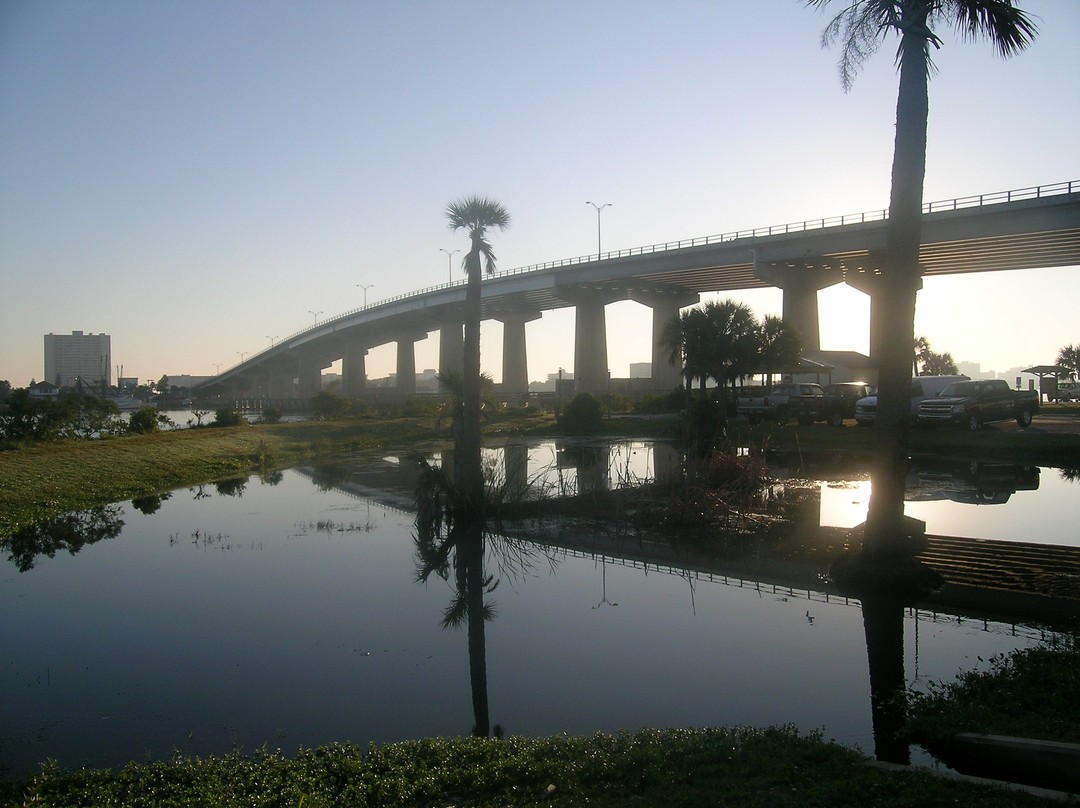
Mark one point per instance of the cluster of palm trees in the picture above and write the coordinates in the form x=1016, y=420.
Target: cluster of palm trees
x=931, y=363
x=1069, y=358
x=724, y=341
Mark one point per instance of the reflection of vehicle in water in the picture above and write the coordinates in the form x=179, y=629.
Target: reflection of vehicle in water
x=972, y=482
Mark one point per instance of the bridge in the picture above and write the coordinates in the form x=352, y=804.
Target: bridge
x=1028, y=228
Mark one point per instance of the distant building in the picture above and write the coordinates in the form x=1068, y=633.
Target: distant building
x=974, y=370
x=44, y=390
x=641, y=370
x=78, y=356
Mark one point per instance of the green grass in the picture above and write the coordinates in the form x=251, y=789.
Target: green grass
x=770, y=768
x=1030, y=693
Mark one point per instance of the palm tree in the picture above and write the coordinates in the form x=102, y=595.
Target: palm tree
x=860, y=28
x=922, y=348
x=685, y=336
x=1069, y=358
x=476, y=215
x=778, y=344
x=731, y=347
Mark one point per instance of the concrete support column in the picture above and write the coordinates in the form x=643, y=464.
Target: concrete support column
x=801, y=310
x=878, y=290
x=406, y=365
x=451, y=347
x=665, y=304
x=590, y=343
x=310, y=376
x=281, y=384
x=800, y=281
x=354, y=370
x=515, y=367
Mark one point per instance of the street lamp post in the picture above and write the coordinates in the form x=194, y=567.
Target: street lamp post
x=315, y=314
x=272, y=340
x=598, y=209
x=449, y=264
x=242, y=354
x=365, y=287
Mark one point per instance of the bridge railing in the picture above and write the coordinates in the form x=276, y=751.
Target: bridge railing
x=960, y=203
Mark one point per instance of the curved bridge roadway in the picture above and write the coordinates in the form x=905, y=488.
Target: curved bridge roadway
x=1021, y=229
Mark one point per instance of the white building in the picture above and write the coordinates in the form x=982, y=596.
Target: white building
x=78, y=356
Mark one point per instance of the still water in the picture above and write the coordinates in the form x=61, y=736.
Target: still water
x=285, y=612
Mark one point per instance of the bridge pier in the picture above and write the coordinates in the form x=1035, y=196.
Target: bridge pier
x=800, y=282
x=354, y=369
x=665, y=303
x=309, y=375
x=874, y=286
x=406, y=362
x=451, y=346
x=515, y=367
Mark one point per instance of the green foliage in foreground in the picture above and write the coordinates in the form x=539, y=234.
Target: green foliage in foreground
x=1029, y=693
x=746, y=767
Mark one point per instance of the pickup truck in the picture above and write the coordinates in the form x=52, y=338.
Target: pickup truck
x=774, y=404
x=837, y=404
x=973, y=403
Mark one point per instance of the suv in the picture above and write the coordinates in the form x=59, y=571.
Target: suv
x=922, y=387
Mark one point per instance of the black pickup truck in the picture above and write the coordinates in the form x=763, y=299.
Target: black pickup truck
x=837, y=404
x=971, y=404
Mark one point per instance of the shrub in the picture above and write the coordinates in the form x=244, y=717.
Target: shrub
x=143, y=420
x=227, y=416
x=327, y=406
x=582, y=414
x=270, y=415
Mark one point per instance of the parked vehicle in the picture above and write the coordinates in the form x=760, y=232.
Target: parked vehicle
x=922, y=387
x=774, y=404
x=973, y=403
x=837, y=404
x=1067, y=391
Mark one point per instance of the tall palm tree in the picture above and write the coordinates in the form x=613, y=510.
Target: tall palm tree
x=922, y=348
x=731, y=347
x=685, y=336
x=860, y=28
x=476, y=215
x=778, y=344
x=1069, y=358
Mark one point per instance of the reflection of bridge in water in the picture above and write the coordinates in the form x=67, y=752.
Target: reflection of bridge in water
x=1001, y=581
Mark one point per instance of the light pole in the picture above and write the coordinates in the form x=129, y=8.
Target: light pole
x=272, y=340
x=598, y=209
x=242, y=354
x=449, y=265
x=365, y=287
x=315, y=314
x=217, y=367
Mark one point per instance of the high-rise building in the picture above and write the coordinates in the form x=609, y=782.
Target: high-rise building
x=78, y=356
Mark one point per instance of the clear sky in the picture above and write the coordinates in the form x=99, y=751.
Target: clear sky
x=197, y=177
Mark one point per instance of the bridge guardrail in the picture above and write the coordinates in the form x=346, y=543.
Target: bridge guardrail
x=959, y=203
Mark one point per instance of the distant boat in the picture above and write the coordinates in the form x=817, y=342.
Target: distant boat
x=126, y=403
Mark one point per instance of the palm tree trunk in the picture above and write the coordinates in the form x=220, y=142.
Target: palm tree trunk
x=898, y=286
x=472, y=483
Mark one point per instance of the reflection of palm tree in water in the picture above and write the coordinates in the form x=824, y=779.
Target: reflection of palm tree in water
x=446, y=544
x=886, y=584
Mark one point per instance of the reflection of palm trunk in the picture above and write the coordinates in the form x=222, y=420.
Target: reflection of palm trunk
x=471, y=554
x=883, y=623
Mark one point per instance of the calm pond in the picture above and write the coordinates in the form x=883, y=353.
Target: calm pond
x=285, y=612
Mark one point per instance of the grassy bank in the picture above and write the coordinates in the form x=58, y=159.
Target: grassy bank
x=42, y=481
x=770, y=768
